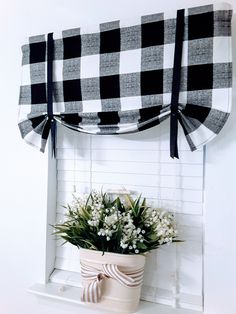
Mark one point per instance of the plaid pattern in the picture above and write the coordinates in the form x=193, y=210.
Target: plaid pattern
x=117, y=78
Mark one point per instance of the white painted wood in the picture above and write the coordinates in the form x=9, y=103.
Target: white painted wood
x=51, y=214
x=141, y=164
x=167, y=168
x=73, y=294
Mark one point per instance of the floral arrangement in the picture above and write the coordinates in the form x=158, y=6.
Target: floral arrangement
x=126, y=226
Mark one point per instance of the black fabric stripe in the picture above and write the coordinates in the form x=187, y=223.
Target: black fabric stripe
x=37, y=52
x=36, y=121
x=71, y=118
x=108, y=118
x=71, y=47
x=110, y=41
x=201, y=25
x=196, y=112
x=46, y=130
x=110, y=86
x=38, y=94
x=176, y=84
x=200, y=77
x=72, y=90
x=149, y=113
x=148, y=30
x=151, y=82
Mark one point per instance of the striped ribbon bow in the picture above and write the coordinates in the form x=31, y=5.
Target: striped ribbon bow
x=92, y=292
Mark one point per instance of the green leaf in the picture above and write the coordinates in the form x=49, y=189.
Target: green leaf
x=141, y=246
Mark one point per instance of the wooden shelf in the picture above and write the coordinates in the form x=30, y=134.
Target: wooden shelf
x=72, y=295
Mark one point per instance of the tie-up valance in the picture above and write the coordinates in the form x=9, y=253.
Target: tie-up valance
x=127, y=76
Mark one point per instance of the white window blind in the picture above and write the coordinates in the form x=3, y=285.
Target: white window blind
x=141, y=164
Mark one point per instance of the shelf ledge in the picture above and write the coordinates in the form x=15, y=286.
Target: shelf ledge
x=72, y=295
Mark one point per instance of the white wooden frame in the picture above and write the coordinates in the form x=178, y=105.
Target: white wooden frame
x=54, y=290
x=51, y=214
x=218, y=252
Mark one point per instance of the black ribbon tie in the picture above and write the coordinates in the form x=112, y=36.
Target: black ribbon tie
x=179, y=36
x=51, y=120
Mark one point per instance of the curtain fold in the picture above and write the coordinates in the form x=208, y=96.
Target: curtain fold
x=117, y=78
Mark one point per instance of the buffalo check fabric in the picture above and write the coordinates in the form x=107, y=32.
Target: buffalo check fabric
x=117, y=77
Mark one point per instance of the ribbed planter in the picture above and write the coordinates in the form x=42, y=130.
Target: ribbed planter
x=112, y=281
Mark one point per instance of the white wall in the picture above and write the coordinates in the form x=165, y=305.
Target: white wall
x=24, y=170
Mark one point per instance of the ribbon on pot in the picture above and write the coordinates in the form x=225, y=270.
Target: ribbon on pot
x=92, y=292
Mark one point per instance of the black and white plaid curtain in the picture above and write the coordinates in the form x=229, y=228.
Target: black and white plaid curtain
x=118, y=77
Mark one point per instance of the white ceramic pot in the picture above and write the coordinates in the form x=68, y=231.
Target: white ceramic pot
x=114, y=295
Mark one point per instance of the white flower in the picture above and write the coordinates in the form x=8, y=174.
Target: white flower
x=123, y=245
x=106, y=221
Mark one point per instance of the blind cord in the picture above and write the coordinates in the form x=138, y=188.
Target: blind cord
x=74, y=161
x=91, y=165
x=175, y=279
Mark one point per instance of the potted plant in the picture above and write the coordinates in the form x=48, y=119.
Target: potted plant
x=114, y=235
